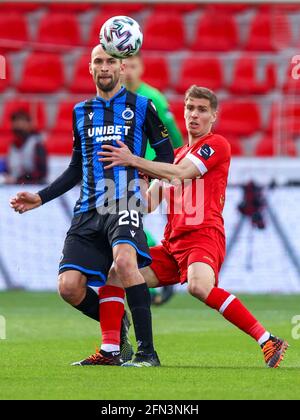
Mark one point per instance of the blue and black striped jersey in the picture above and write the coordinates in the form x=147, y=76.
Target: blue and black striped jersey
x=128, y=117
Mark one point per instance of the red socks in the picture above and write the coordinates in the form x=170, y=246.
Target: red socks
x=111, y=307
x=236, y=313
x=111, y=311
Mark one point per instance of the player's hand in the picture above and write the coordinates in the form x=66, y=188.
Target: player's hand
x=25, y=201
x=118, y=156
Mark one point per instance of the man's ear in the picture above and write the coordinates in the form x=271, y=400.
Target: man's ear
x=215, y=116
x=90, y=68
x=122, y=68
x=142, y=69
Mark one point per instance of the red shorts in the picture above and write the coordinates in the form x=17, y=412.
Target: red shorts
x=172, y=259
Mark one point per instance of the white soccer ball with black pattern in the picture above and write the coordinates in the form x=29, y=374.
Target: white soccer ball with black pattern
x=121, y=36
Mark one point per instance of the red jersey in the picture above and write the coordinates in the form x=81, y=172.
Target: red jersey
x=198, y=203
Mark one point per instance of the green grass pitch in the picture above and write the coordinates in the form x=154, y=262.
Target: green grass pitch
x=202, y=355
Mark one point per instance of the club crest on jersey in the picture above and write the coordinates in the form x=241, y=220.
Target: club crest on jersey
x=127, y=114
x=206, y=151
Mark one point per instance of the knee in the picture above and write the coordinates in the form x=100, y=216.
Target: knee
x=199, y=288
x=69, y=288
x=124, y=264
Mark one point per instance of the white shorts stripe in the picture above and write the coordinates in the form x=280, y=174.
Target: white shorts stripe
x=111, y=299
x=226, y=303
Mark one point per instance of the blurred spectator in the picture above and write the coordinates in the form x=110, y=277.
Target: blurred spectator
x=26, y=161
x=253, y=204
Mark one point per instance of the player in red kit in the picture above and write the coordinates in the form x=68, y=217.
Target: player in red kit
x=193, y=248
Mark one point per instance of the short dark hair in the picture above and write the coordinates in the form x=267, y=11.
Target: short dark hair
x=202, y=92
x=138, y=55
x=20, y=114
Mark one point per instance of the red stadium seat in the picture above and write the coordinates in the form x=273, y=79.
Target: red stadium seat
x=245, y=79
x=97, y=22
x=156, y=71
x=268, y=146
x=289, y=115
x=236, y=147
x=5, y=72
x=292, y=79
x=164, y=32
x=66, y=7
x=63, y=122
x=34, y=108
x=215, y=32
x=5, y=140
x=269, y=32
x=82, y=81
x=59, y=29
x=42, y=73
x=13, y=31
x=278, y=8
x=238, y=118
x=200, y=71
x=265, y=147
x=59, y=143
x=177, y=108
x=274, y=121
x=290, y=149
x=227, y=8
x=120, y=9
x=176, y=7
x=21, y=7
x=284, y=117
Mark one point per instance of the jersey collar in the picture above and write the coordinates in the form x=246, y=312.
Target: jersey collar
x=120, y=92
x=200, y=140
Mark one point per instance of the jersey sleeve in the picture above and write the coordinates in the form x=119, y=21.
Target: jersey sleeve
x=213, y=152
x=154, y=128
x=168, y=119
x=158, y=136
x=71, y=176
x=76, y=136
x=177, y=150
x=173, y=130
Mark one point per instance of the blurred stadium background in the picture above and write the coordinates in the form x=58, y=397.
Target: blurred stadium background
x=245, y=52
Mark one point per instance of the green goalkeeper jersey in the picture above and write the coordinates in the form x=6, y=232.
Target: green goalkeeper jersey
x=165, y=115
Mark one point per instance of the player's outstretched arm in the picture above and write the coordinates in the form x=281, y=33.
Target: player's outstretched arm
x=25, y=201
x=122, y=156
x=66, y=181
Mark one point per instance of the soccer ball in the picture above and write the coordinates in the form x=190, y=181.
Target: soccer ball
x=121, y=36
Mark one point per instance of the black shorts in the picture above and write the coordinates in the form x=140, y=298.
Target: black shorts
x=91, y=237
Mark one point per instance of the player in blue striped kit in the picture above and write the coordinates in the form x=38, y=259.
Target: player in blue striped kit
x=107, y=224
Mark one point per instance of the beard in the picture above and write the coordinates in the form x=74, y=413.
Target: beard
x=107, y=87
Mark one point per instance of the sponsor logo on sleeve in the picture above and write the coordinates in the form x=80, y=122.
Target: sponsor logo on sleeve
x=164, y=133
x=206, y=151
